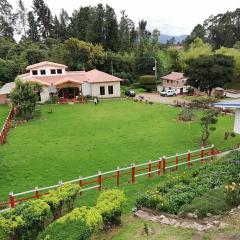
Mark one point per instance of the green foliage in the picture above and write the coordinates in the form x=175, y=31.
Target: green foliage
x=232, y=192
x=69, y=230
x=24, y=98
x=213, y=201
x=182, y=189
x=208, y=72
x=110, y=204
x=186, y=114
x=148, y=82
x=12, y=224
x=25, y=220
x=90, y=216
x=65, y=194
x=207, y=122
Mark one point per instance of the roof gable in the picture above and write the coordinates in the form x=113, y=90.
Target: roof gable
x=95, y=76
x=45, y=63
x=174, y=76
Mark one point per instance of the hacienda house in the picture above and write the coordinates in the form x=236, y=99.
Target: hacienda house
x=175, y=81
x=69, y=85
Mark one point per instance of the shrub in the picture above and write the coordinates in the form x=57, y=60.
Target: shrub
x=78, y=224
x=148, y=82
x=187, y=114
x=90, y=216
x=69, y=230
x=12, y=224
x=110, y=204
x=65, y=194
x=213, y=201
x=26, y=220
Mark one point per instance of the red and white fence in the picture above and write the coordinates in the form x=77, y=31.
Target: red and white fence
x=6, y=126
x=123, y=175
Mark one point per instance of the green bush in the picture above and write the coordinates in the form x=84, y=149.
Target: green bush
x=12, y=224
x=110, y=204
x=213, y=201
x=186, y=114
x=65, y=194
x=78, y=224
x=69, y=230
x=26, y=220
x=148, y=82
x=90, y=216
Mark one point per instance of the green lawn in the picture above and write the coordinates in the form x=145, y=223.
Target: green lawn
x=79, y=140
x=4, y=110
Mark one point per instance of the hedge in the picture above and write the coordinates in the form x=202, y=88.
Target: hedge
x=76, y=225
x=110, y=204
x=147, y=80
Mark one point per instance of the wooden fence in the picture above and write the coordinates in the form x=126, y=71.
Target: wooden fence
x=121, y=175
x=6, y=127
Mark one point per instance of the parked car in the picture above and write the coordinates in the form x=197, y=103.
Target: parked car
x=168, y=93
x=130, y=93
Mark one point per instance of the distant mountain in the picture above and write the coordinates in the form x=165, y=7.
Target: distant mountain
x=164, y=38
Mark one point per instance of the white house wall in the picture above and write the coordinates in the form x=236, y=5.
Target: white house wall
x=237, y=122
x=44, y=95
x=86, y=89
x=95, y=89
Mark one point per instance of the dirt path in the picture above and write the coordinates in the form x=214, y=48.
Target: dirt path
x=155, y=97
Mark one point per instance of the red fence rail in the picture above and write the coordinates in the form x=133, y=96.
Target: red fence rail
x=6, y=126
x=119, y=175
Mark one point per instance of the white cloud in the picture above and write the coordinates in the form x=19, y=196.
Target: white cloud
x=172, y=17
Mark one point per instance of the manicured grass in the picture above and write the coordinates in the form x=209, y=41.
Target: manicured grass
x=3, y=114
x=79, y=140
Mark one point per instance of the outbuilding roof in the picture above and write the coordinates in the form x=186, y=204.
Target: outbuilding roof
x=175, y=76
x=95, y=76
x=7, y=88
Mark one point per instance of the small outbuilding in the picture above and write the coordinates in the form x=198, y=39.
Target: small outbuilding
x=175, y=81
x=5, y=90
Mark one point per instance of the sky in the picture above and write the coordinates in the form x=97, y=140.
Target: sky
x=172, y=17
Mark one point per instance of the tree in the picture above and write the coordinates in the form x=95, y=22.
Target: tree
x=127, y=33
x=198, y=32
x=207, y=121
x=32, y=32
x=7, y=19
x=111, y=30
x=8, y=70
x=223, y=29
x=208, y=72
x=22, y=18
x=96, y=31
x=44, y=18
x=24, y=98
x=80, y=23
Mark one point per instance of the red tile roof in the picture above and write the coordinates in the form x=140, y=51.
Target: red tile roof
x=93, y=76
x=174, y=76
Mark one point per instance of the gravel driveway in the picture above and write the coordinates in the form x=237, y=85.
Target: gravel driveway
x=154, y=97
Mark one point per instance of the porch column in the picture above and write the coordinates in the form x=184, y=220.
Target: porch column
x=237, y=121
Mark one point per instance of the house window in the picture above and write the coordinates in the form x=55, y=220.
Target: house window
x=34, y=72
x=53, y=71
x=102, y=90
x=110, y=90
x=43, y=72
x=167, y=81
x=59, y=71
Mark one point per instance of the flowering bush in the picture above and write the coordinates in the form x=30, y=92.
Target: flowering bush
x=110, y=204
x=233, y=193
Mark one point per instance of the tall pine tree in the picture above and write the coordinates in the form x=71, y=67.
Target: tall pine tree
x=32, y=31
x=44, y=18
